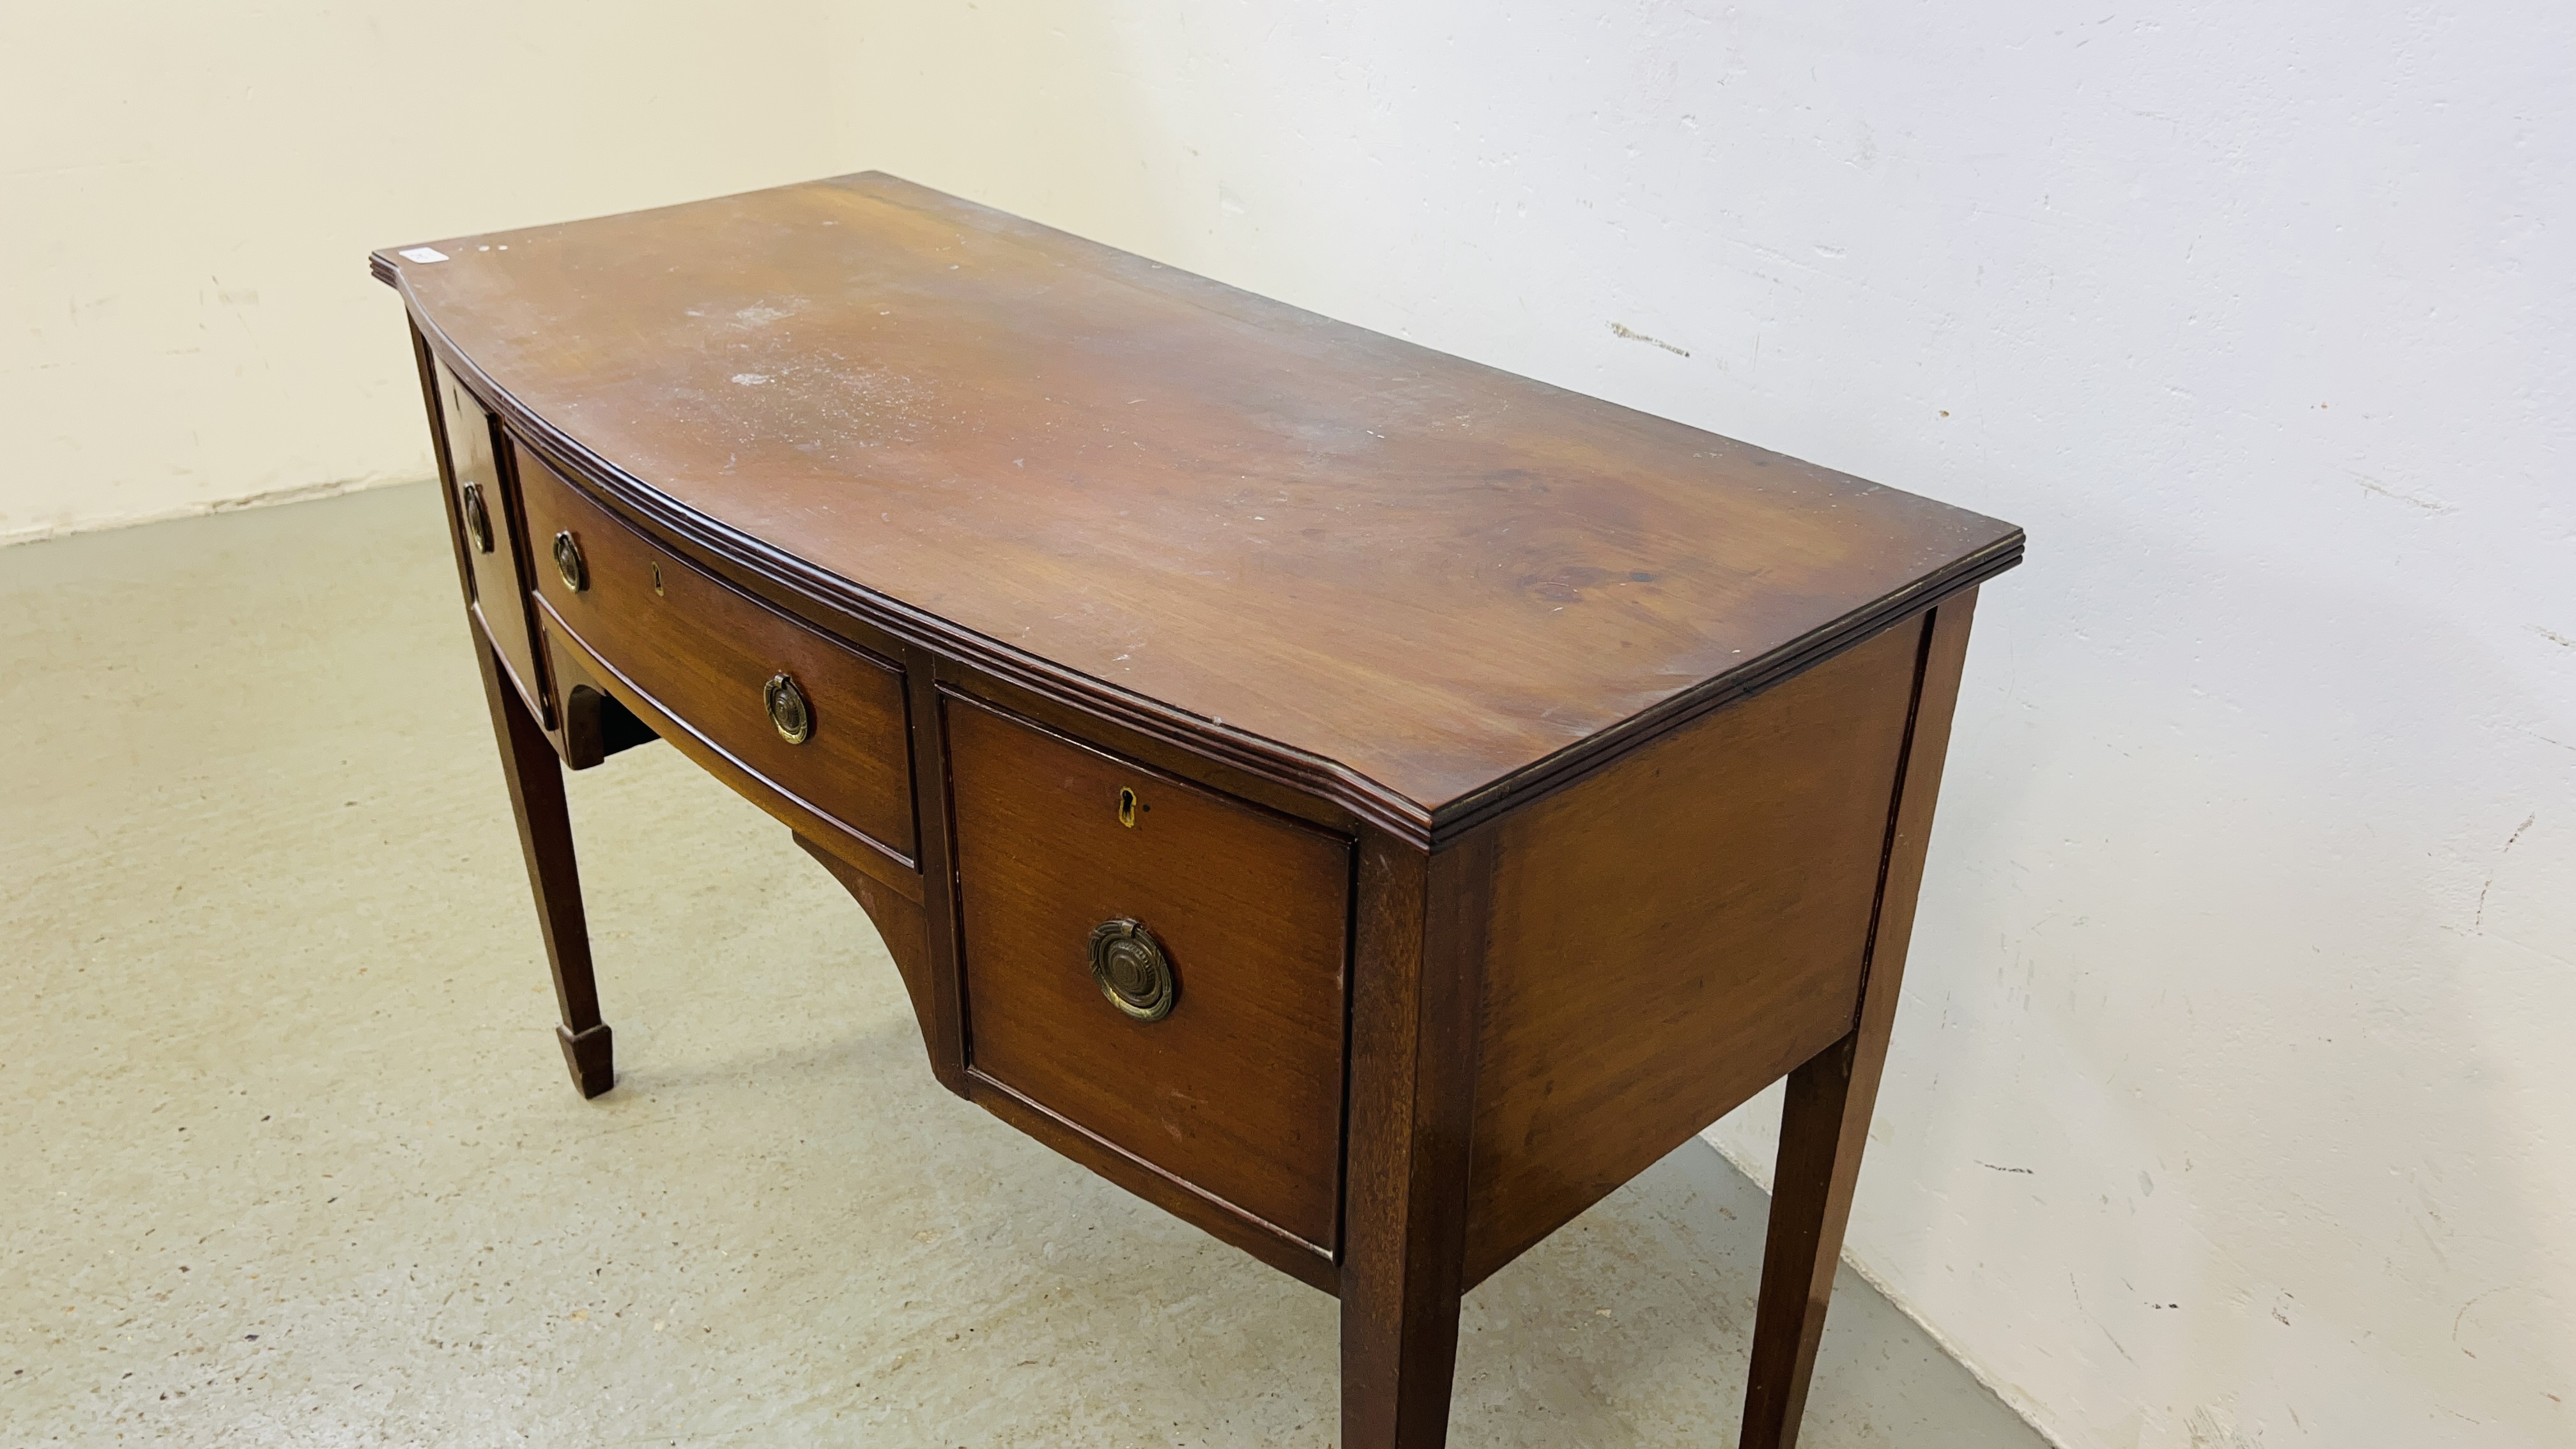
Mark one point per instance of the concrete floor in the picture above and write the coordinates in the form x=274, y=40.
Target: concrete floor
x=290, y=1156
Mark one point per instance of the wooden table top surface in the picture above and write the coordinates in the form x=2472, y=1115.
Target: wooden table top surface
x=1444, y=579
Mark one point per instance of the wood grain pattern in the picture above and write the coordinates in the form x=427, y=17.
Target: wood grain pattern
x=702, y=652
x=946, y=1026
x=498, y=596
x=1239, y=1090
x=569, y=659
x=1824, y=1120
x=1420, y=581
x=900, y=925
x=1192, y=1204
x=1422, y=945
x=1675, y=933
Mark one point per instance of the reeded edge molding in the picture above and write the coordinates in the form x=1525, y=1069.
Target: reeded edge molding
x=1389, y=810
x=1581, y=758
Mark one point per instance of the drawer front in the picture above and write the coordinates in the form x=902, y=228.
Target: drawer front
x=491, y=540
x=707, y=654
x=1238, y=1090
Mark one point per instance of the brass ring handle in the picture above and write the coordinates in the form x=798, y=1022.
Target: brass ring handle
x=1132, y=970
x=569, y=563
x=788, y=712
x=478, y=519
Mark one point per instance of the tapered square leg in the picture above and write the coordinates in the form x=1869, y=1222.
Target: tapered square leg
x=1823, y=1126
x=1399, y=1359
x=535, y=777
x=1421, y=951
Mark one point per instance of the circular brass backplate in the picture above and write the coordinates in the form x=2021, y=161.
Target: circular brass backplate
x=788, y=713
x=1132, y=970
x=478, y=519
x=568, y=562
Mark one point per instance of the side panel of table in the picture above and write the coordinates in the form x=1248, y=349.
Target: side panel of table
x=1561, y=997
x=485, y=506
x=1677, y=932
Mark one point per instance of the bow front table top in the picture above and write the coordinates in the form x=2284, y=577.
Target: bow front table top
x=1369, y=804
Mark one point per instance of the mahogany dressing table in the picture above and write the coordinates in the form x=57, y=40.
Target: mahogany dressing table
x=1366, y=803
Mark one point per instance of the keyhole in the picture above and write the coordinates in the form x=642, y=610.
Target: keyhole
x=1127, y=808
x=657, y=580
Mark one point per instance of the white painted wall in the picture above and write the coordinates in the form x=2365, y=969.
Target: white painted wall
x=2233, y=1100
x=188, y=193
x=2231, y=1103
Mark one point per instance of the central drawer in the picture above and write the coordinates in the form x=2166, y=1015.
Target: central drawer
x=805, y=715
x=1221, y=926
